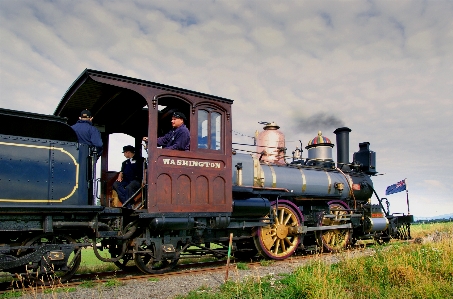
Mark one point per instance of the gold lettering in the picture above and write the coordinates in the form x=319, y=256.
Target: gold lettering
x=192, y=163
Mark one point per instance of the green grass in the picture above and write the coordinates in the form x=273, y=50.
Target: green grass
x=88, y=284
x=11, y=294
x=266, y=263
x=91, y=264
x=113, y=283
x=397, y=270
x=242, y=266
x=423, y=230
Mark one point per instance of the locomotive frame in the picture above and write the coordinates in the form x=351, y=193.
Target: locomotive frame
x=189, y=199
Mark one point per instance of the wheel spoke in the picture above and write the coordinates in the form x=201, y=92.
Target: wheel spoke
x=282, y=213
x=288, y=241
x=277, y=245
x=282, y=244
x=276, y=217
x=287, y=219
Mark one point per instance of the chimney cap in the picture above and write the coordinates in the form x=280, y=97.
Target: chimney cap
x=342, y=129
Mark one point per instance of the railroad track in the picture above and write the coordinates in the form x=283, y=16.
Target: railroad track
x=120, y=276
x=179, y=270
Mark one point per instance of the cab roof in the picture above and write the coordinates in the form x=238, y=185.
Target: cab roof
x=118, y=103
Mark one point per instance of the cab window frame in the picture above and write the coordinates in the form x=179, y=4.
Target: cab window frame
x=210, y=129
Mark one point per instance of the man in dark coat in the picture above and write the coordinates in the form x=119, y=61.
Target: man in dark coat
x=131, y=175
x=178, y=138
x=86, y=132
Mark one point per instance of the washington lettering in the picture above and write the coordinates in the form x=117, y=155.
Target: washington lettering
x=191, y=163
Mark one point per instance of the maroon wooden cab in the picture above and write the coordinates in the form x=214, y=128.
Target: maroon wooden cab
x=193, y=182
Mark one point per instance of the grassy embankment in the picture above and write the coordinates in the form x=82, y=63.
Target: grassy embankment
x=393, y=271
x=396, y=270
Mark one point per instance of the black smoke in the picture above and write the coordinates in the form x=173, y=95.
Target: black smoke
x=318, y=121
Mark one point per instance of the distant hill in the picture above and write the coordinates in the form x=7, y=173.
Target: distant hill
x=445, y=216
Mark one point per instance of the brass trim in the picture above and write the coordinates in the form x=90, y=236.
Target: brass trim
x=329, y=187
x=258, y=174
x=274, y=176
x=304, y=180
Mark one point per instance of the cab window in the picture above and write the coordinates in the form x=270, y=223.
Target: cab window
x=209, y=129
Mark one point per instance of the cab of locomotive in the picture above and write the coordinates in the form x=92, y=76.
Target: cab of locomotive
x=198, y=179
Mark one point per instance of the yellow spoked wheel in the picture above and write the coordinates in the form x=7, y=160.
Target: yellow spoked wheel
x=334, y=240
x=279, y=240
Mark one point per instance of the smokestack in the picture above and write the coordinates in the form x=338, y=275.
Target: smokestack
x=342, y=146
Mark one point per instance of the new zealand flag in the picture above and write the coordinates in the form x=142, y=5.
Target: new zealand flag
x=395, y=188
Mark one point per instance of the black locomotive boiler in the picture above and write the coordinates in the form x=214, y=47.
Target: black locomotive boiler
x=52, y=204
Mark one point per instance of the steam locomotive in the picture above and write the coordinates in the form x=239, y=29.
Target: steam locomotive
x=52, y=204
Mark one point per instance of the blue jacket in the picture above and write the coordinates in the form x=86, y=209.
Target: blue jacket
x=177, y=139
x=132, y=169
x=88, y=134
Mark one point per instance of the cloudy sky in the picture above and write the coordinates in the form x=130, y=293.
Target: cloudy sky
x=382, y=68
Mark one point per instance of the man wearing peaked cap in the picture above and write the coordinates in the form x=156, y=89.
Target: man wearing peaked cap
x=85, y=114
x=179, y=137
x=128, y=148
x=86, y=132
x=131, y=175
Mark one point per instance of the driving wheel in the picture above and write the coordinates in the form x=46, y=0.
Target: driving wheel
x=334, y=240
x=278, y=240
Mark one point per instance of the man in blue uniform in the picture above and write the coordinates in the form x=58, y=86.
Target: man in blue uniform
x=86, y=132
x=178, y=138
x=130, y=177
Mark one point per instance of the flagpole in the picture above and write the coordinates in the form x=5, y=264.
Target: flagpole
x=407, y=197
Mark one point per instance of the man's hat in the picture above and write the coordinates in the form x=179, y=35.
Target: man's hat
x=128, y=148
x=85, y=114
x=179, y=115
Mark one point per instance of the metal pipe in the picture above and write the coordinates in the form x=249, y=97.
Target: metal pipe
x=342, y=146
x=91, y=224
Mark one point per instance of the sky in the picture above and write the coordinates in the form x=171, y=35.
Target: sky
x=382, y=68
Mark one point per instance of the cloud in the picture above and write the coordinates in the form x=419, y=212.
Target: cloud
x=435, y=184
x=381, y=68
